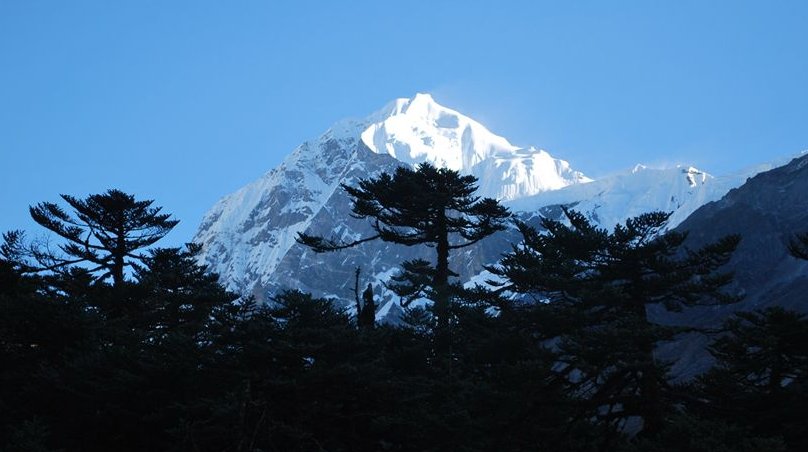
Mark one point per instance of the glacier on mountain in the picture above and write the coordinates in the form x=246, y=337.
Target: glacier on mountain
x=420, y=130
x=612, y=199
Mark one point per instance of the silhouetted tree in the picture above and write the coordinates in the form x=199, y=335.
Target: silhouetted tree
x=603, y=282
x=176, y=295
x=760, y=380
x=424, y=206
x=764, y=350
x=104, y=230
x=686, y=433
x=367, y=316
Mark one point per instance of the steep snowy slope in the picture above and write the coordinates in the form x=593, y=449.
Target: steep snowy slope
x=247, y=233
x=420, y=130
x=612, y=199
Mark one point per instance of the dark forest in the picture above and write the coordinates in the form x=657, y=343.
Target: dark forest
x=109, y=342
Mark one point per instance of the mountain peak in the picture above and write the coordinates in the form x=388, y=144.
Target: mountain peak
x=424, y=99
x=638, y=167
x=422, y=104
x=418, y=129
x=248, y=237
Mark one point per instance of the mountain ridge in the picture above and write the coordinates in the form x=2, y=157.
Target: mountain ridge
x=247, y=233
x=248, y=237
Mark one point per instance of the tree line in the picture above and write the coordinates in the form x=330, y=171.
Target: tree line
x=110, y=343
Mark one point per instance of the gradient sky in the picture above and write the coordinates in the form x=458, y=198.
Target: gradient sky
x=186, y=101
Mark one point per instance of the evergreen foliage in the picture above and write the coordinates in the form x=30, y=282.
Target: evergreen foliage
x=428, y=206
x=168, y=360
x=759, y=381
x=366, y=314
x=602, y=283
x=105, y=230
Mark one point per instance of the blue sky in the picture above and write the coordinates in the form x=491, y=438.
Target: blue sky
x=186, y=101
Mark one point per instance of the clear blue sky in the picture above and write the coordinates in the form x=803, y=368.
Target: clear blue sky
x=184, y=102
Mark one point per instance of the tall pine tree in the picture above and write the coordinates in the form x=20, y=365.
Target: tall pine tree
x=428, y=206
x=603, y=283
x=760, y=380
x=105, y=230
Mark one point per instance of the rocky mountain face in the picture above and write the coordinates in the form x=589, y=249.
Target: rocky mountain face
x=248, y=237
x=767, y=211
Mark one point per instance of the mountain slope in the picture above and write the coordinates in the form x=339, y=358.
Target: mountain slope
x=613, y=199
x=248, y=237
x=248, y=234
x=767, y=211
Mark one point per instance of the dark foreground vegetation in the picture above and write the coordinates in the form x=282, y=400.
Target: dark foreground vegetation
x=106, y=345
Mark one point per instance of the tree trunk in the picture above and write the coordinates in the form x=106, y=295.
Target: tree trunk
x=119, y=253
x=440, y=284
x=650, y=395
x=650, y=406
x=366, y=317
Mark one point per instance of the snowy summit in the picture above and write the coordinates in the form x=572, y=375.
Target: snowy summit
x=421, y=130
x=247, y=235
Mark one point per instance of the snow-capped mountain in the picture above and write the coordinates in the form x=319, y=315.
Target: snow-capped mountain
x=248, y=237
x=612, y=199
x=247, y=234
x=420, y=130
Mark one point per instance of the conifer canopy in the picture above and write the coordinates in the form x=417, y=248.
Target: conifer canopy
x=104, y=230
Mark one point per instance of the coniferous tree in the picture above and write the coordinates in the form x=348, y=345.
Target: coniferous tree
x=185, y=366
x=366, y=317
x=175, y=294
x=44, y=327
x=105, y=230
x=760, y=380
x=603, y=282
x=365, y=305
x=686, y=433
x=764, y=350
x=92, y=380
x=424, y=206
